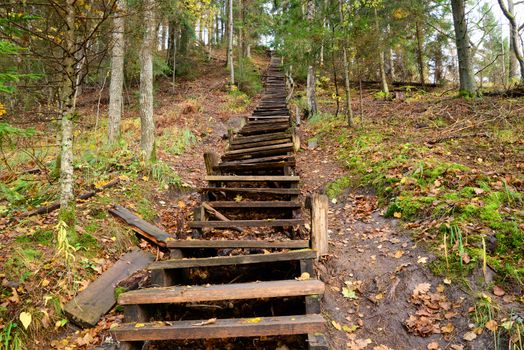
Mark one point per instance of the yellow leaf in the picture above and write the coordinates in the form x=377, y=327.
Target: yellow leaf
x=238, y=198
x=398, y=254
x=397, y=214
x=492, y=325
x=379, y=296
x=181, y=204
x=449, y=328
x=25, y=318
x=303, y=277
x=139, y=325
x=254, y=320
x=336, y=325
x=45, y=282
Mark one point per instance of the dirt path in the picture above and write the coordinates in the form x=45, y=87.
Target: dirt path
x=377, y=276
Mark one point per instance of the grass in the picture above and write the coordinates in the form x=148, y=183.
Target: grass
x=413, y=183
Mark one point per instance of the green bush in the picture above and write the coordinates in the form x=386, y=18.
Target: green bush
x=247, y=77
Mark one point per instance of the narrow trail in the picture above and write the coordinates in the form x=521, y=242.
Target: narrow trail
x=372, y=271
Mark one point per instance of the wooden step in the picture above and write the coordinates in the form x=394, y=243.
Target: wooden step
x=289, y=191
x=246, y=223
x=254, y=166
x=233, y=260
x=217, y=292
x=221, y=328
x=260, y=144
x=243, y=243
x=254, y=204
x=259, y=160
x=251, y=178
x=257, y=138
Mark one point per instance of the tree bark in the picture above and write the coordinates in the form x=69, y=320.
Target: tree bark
x=514, y=36
x=311, y=79
x=466, y=76
x=382, y=60
x=147, y=123
x=230, y=62
x=420, y=53
x=117, y=73
x=349, y=110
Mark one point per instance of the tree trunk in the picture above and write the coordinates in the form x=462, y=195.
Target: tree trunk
x=349, y=110
x=230, y=46
x=382, y=60
x=173, y=76
x=147, y=123
x=117, y=73
x=466, y=76
x=514, y=35
x=311, y=86
x=67, y=200
x=420, y=53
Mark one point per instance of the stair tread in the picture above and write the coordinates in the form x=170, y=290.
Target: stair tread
x=246, y=223
x=220, y=328
x=233, y=260
x=238, y=243
x=216, y=292
x=242, y=178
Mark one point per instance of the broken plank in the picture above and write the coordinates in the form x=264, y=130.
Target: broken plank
x=246, y=223
x=221, y=328
x=234, y=260
x=218, y=215
x=246, y=243
x=259, y=149
x=142, y=227
x=98, y=298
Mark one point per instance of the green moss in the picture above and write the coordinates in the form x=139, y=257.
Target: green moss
x=43, y=237
x=92, y=227
x=145, y=209
x=335, y=188
x=87, y=243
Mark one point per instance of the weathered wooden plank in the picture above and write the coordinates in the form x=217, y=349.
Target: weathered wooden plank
x=246, y=243
x=254, y=204
x=319, y=223
x=258, y=160
x=140, y=226
x=248, y=139
x=98, y=298
x=221, y=328
x=259, y=149
x=215, y=292
x=246, y=223
x=233, y=260
x=290, y=191
x=251, y=178
x=255, y=166
x=259, y=144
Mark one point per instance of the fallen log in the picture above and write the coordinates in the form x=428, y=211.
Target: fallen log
x=56, y=205
x=98, y=298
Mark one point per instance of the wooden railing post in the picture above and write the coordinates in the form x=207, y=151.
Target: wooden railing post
x=319, y=224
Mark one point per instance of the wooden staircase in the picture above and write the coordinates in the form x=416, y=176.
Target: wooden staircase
x=250, y=256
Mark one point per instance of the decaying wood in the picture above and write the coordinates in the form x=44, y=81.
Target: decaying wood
x=56, y=205
x=319, y=223
x=218, y=215
x=99, y=297
x=140, y=226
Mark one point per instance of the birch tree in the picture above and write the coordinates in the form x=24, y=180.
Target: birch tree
x=514, y=34
x=230, y=45
x=147, y=122
x=311, y=80
x=349, y=109
x=117, y=73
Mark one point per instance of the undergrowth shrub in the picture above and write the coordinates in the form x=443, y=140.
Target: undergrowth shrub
x=247, y=77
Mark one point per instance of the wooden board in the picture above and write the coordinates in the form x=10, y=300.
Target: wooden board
x=99, y=297
x=258, y=160
x=290, y=191
x=140, y=226
x=250, y=178
x=234, y=260
x=255, y=204
x=246, y=223
x=221, y=328
x=246, y=243
x=216, y=292
x=260, y=149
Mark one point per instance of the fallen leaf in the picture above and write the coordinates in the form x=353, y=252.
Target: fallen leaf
x=399, y=254
x=469, y=336
x=181, y=204
x=433, y=346
x=336, y=325
x=422, y=288
x=349, y=293
x=139, y=325
x=25, y=318
x=397, y=214
x=238, y=198
x=448, y=328
x=446, y=281
x=498, y=291
x=303, y=277
x=214, y=320
x=422, y=260
x=349, y=329
x=492, y=325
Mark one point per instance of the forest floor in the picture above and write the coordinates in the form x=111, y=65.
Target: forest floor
x=414, y=190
